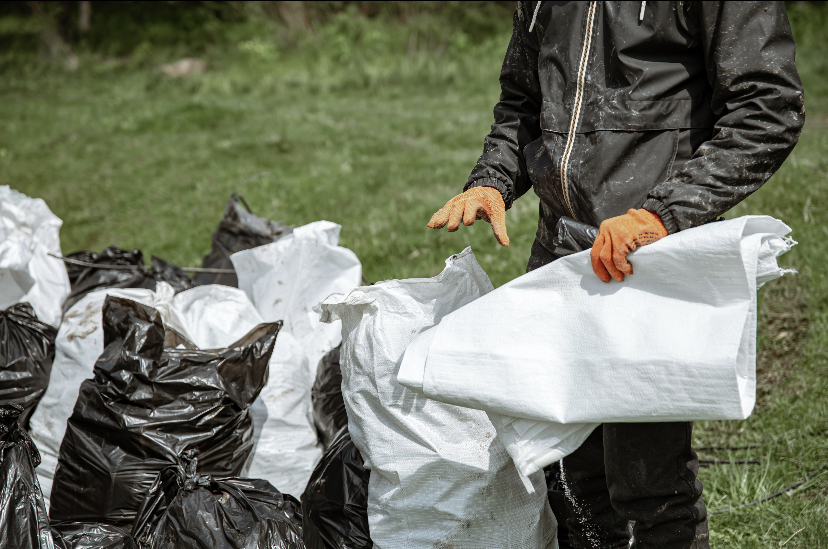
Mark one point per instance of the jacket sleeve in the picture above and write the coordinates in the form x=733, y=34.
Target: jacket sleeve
x=758, y=97
x=516, y=115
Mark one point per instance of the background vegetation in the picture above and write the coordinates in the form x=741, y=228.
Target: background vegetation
x=372, y=115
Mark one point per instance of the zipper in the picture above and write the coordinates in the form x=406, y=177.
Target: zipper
x=576, y=110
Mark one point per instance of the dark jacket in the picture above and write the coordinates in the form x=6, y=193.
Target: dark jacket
x=684, y=111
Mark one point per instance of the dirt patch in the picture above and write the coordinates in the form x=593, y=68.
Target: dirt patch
x=782, y=332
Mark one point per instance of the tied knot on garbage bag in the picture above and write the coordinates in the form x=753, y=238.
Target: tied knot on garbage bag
x=12, y=434
x=191, y=478
x=154, y=395
x=27, y=349
x=23, y=520
x=187, y=510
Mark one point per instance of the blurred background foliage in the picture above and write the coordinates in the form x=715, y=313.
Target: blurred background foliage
x=350, y=33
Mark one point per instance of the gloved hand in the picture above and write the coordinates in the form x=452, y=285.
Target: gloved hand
x=484, y=203
x=620, y=235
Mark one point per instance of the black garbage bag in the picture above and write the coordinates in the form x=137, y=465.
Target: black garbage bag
x=71, y=535
x=238, y=230
x=23, y=520
x=335, y=502
x=171, y=274
x=329, y=415
x=27, y=349
x=573, y=236
x=74, y=270
x=88, y=279
x=153, y=396
x=185, y=510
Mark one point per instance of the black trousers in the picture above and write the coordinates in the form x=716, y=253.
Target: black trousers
x=642, y=472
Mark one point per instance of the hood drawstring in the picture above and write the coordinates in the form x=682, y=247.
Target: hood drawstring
x=641, y=13
x=535, y=16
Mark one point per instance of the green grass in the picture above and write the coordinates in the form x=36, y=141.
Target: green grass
x=374, y=125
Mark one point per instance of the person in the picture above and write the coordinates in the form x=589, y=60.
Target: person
x=643, y=119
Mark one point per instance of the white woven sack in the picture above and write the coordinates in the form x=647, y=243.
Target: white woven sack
x=439, y=476
x=29, y=231
x=563, y=351
x=286, y=448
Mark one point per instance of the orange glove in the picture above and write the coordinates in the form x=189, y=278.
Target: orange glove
x=484, y=203
x=620, y=235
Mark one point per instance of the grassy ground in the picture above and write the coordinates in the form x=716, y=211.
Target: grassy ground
x=374, y=125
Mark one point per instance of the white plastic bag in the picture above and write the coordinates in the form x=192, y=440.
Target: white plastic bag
x=287, y=278
x=212, y=316
x=29, y=231
x=285, y=450
x=439, y=476
x=564, y=351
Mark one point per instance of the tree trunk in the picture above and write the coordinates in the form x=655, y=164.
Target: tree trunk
x=84, y=15
x=54, y=47
x=294, y=14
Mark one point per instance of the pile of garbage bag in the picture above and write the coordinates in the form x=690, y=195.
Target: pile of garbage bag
x=162, y=398
x=142, y=408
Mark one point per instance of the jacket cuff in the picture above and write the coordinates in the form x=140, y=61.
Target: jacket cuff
x=505, y=190
x=657, y=207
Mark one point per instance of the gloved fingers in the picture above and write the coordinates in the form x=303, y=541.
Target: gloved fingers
x=498, y=221
x=440, y=217
x=456, y=215
x=595, y=258
x=471, y=212
x=606, y=259
x=619, y=259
